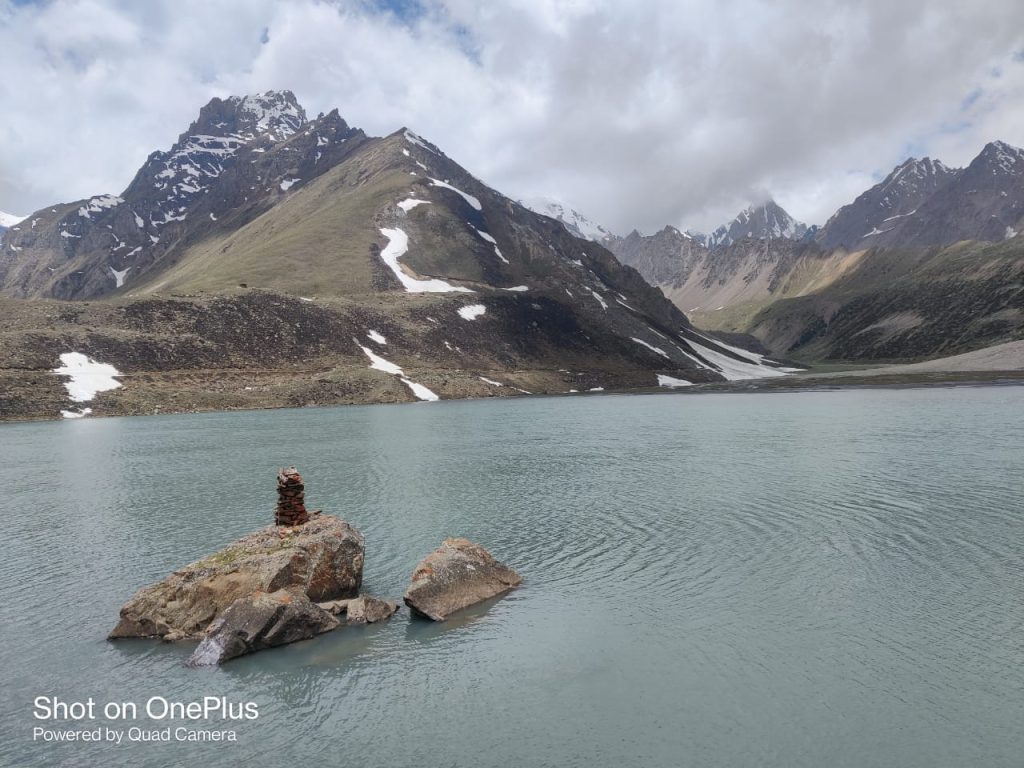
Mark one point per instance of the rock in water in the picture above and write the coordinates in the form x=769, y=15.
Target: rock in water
x=322, y=558
x=456, y=575
x=260, y=621
x=369, y=610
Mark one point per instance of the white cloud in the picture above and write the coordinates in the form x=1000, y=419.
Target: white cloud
x=672, y=111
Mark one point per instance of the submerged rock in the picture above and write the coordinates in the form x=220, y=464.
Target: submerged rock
x=322, y=559
x=261, y=621
x=456, y=575
x=369, y=610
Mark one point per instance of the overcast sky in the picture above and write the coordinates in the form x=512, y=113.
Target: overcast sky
x=638, y=114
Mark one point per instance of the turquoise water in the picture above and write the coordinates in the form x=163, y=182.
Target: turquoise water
x=812, y=579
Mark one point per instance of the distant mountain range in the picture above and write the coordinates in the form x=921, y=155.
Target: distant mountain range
x=917, y=215
x=301, y=261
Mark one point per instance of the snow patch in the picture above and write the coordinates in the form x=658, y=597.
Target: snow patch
x=411, y=202
x=474, y=203
x=517, y=288
x=288, y=183
x=87, y=376
x=412, y=138
x=119, y=276
x=472, y=312
x=376, y=336
x=379, y=363
x=651, y=347
x=596, y=295
x=420, y=391
x=492, y=382
x=76, y=414
x=877, y=231
x=398, y=245
x=486, y=236
x=732, y=369
x=671, y=381
x=97, y=204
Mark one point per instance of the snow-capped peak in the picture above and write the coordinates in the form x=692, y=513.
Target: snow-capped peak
x=574, y=221
x=9, y=220
x=768, y=221
x=1002, y=157
x=275, y=112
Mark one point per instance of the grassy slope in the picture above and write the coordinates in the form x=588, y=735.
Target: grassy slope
x=314, y=243
x=905, y=305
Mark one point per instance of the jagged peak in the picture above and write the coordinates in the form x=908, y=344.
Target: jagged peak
x=1000, y=156
x=764, y=220
x=916, y=168
x=276, y=114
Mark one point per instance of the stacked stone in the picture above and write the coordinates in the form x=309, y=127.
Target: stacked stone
x=291, y=498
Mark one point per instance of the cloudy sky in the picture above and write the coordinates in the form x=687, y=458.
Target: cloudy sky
x=639, y=114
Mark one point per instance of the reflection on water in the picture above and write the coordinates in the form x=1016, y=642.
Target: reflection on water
x=781, y=580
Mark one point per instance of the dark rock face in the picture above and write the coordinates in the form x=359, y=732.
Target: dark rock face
x=664, y=258
x=456, y=575
x=885, y=205
x=260, y=621
x=323, y=559
x=369, y=610
x=985, y=201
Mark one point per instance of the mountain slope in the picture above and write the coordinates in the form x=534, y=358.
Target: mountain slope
x=900, y=304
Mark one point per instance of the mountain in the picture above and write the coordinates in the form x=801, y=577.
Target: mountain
x=575, y=222
x=237, y=160
x=984, y=201
x=768, y=221
x=881, y=208
x=267, y=259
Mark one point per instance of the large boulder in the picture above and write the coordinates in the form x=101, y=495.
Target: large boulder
x=261, y=621
x=369, y=610
x=456, y=575
x=323, y=559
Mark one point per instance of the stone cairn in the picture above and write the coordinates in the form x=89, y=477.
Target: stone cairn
x=291, y=498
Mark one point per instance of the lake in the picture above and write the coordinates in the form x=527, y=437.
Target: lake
x=809, y=579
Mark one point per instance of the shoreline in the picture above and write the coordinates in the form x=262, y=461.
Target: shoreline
x=794, y=384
